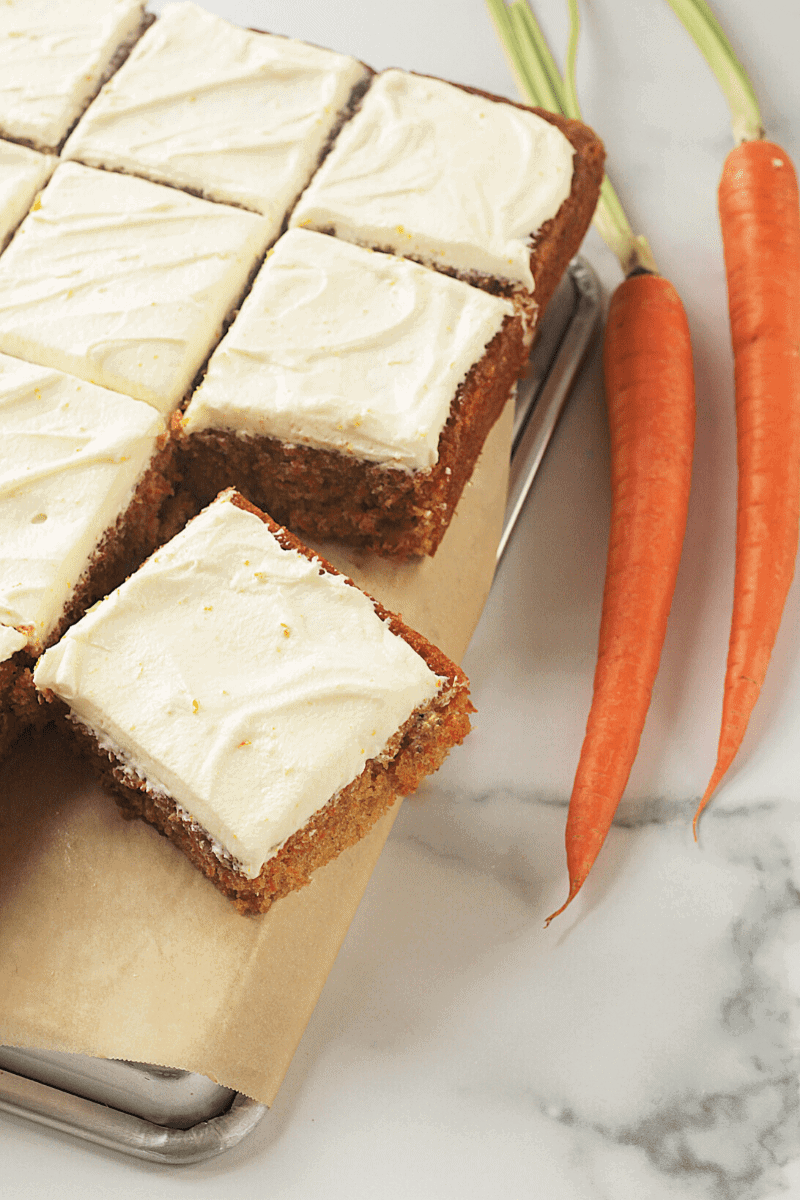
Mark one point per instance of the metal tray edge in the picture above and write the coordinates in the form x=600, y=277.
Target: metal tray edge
x=117, y=1130
x=552, y=395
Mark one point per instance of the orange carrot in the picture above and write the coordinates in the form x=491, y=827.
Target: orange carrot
x=760, y=219
x=650, y=400
x=647, y=360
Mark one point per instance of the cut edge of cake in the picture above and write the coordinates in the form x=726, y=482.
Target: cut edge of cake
x=327, y=495
x=398, y=507
x=18, y=706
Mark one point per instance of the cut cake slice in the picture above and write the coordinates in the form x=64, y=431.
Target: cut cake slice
x=125, y=283
x=236, y=116
x=270, y=710
x=352, y=394
x=54, y=57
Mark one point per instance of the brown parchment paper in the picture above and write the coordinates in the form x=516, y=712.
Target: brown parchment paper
x=112, y=944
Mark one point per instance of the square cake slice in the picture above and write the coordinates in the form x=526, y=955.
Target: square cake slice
x=84, y=477
x=352, y=394
x=468, y=183
x=54, y=55
x=233, y=115
x=251, y=703
x=23, y=173
x=125, y=283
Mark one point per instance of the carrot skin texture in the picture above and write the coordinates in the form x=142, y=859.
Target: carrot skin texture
x=649, y=380
x=760, y=221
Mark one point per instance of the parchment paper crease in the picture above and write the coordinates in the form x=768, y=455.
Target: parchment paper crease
x=111, y=944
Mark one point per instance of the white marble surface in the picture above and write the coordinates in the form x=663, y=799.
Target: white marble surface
x=647, y=1044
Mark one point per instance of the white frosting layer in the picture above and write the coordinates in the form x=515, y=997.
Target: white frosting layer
x=124, y=283
x=10, y=642
x=71, y=455
x=344, y=349
x=53, y=54
x=430, y=171
x=255, y=687
x=22, y=173
x=240, y=116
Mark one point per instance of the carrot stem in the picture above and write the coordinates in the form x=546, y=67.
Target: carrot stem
x=541, y=52
x=572, y=105
x=710, y=39
x=539, y=81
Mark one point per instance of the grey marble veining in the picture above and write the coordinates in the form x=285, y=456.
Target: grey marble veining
x=666, y=1021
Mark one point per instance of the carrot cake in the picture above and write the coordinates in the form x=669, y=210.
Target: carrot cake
x=23, y=173
x=125, y=283
x=14, y=661
x=231, y=114
x=464, y=182
x=352, y=394
x=271, y=711
x=54, y=57
x=84, y=476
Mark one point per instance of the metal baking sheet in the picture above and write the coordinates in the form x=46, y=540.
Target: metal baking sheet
x=173, y=1116
x=132, y=1086
x=563, y=340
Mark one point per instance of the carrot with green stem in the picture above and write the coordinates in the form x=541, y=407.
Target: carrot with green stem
x=649, y=380
x=760, y=222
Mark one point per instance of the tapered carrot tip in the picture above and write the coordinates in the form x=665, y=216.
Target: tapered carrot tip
x=719, y=771
x=575, y=887
x=700, y=809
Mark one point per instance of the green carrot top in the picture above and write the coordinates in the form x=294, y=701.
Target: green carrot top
x=540, y=82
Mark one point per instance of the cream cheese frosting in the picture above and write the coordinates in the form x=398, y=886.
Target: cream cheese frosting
x=341, y=348
x=123, y=282
x=240, y=116
x=256, y=685
x=71, y=455
x=22, y=173
x=430, y=171
x=10, y=642
x=52, y=59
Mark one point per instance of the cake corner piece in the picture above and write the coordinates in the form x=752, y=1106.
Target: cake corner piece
x=509, y=221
